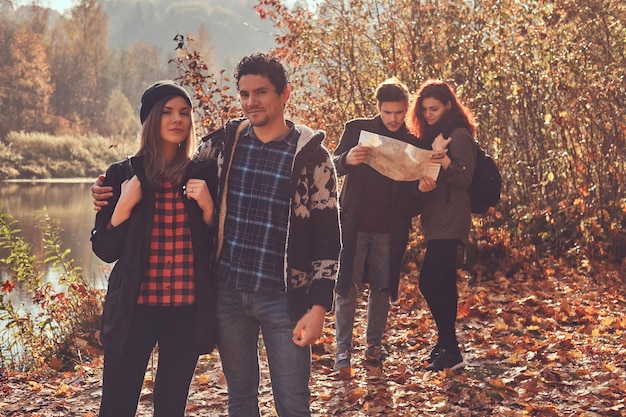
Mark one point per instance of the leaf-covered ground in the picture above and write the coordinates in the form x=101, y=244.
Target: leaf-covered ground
x=548, y=341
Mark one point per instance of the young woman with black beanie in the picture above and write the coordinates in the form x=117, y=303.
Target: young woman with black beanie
x=158, y=225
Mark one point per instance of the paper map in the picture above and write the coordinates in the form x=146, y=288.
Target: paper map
x=398, y=160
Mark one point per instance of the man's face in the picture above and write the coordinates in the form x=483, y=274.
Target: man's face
x=260, y=102
x=393, y=113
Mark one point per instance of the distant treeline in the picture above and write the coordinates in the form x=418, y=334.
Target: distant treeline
x=545, y=78
x=37, y=155
x=59, y=76
x=84, y=71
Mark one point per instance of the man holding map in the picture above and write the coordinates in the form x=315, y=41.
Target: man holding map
x=384, y=175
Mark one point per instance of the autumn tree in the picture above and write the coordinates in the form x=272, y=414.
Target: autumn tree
x=201, y=42
x=25, y=79
x=120, y=117
x=134, y=69
x=340, y=52
x=80, y=63
x=545, y=78
x=215, y=101
x=7, y=28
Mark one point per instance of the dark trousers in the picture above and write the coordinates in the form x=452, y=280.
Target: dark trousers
x=437, y=283
x=173, y=328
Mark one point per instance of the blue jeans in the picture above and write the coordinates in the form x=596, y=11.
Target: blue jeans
x=372, y=251
x=240, y=316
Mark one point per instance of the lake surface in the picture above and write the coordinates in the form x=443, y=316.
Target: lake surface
x=68, y=201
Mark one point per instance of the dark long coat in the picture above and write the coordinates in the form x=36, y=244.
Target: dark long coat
x=359, y=181
x=129, y=245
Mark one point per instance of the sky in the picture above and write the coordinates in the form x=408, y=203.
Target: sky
x=64, y=5
x=60, y=5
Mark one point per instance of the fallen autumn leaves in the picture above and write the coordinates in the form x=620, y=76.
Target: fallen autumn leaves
x=546, y=341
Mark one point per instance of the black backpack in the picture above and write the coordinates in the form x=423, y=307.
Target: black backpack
x=484, y=191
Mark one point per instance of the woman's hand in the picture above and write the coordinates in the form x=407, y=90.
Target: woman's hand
x=440, y=144
x=196, y=189
x=129, y=197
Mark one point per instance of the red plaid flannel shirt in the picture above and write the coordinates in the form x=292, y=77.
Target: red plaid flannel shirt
x=169, y=278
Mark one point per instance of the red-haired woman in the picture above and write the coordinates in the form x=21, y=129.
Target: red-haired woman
x=437, y=117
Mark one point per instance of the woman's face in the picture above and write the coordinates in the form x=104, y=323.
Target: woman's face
x=175, y=121
x=433, y=110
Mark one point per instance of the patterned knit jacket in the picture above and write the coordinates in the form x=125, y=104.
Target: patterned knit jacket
x=313, y=240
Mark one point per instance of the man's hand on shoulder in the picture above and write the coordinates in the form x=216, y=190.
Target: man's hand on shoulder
x=100, y=193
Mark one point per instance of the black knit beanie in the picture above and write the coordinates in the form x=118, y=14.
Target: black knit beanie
x=157, y=91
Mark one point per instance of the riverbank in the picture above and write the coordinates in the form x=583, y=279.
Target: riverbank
x=51, y=180
x=67, y=201
x=39, y=156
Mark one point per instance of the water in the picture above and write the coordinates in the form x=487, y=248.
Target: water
x=70, y=202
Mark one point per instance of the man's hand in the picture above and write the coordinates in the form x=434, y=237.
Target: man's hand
x=357, y=155
x=100, y=194
x=427, y=184
x=309, y=327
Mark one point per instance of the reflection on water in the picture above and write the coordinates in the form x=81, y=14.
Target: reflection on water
x=71, y=204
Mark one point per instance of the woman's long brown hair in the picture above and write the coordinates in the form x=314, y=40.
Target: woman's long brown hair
x=458, y=114
x=155, y=166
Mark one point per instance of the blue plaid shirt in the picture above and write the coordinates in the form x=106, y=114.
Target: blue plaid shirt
x=258, y=204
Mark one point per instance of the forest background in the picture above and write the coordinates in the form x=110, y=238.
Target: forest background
x=545, y=79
